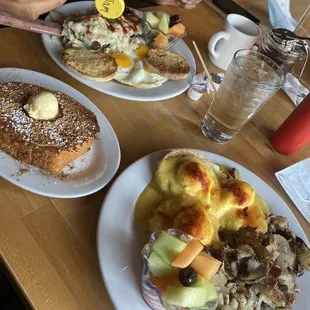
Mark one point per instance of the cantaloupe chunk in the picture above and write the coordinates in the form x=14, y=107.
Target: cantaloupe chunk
x=183, y=260
x=177, y=30
x=205, y=265
x=163, y=282
x=160, y=41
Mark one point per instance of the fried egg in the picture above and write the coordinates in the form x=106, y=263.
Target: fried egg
x=122, y=60
x=125, y=65
x=134, y=72
x=141, y=51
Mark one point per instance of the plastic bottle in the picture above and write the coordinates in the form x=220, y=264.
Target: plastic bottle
x=294, y=133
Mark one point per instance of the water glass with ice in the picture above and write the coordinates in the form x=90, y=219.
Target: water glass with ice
x=250, y=81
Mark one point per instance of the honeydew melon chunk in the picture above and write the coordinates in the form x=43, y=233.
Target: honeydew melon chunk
x=163, y=25
x=186, y=296
x=168, y=247
x=160, y=15
x=152, y=19
x=208, y=286
x=158, y=267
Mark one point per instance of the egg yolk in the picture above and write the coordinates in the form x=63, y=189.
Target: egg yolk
x=122, y=60
x=141, y=51
x=147, y=68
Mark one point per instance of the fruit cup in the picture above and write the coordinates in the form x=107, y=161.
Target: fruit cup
x=152, y=294
x=160, y=33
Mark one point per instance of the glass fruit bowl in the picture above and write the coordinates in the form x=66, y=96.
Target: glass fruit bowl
x=151, y=294
x=156, y=38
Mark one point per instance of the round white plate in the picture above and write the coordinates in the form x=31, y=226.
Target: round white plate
x=119, y=242
x=87, y=174
x=168, y=90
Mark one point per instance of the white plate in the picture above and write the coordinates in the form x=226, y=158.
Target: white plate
x=91, y=171
x=118, y=241
x=167, y=90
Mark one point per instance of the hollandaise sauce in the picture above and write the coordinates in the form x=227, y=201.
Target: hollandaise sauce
x=187, y=194
x=178, y=196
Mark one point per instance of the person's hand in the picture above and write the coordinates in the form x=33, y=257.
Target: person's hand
x=185, y=4
x=29, y=8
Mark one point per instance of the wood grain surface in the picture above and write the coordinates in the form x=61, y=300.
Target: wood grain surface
x=49, y=245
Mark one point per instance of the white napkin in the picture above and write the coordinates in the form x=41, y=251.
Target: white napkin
x=296, y=182
x=294, y=89
x=280, y=15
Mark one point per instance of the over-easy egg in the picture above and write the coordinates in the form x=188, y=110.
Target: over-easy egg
x=140, y=77
x=134, y=72
x=125, y=65
x=141, y=51
x=122, y=60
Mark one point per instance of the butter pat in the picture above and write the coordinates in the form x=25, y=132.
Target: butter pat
x=42, y=106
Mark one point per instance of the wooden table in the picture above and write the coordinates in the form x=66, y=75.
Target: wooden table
x=49, y=245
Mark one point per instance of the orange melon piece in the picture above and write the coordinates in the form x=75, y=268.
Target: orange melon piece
x=205, y=265
x=160, y=41
x=162, y=283
x=183, y=259
x=177, y=30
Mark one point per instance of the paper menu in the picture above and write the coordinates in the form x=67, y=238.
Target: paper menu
x=296, y=182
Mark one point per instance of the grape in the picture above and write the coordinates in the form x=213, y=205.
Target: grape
x=175, y=19
x=187, y=276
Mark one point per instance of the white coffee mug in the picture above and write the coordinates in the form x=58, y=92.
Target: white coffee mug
x=239, y=33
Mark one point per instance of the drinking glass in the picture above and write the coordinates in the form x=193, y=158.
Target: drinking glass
x=303, y=30
x=250, y=81
x=303, y=27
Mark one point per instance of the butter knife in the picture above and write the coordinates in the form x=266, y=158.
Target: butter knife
x=37, y=25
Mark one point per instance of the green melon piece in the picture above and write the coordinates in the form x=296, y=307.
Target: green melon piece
x=208, y=286
x=186, y=296
x=158, y=267
x=168, y=247
x=160, y=15
x=163, y=25
x=152, y=19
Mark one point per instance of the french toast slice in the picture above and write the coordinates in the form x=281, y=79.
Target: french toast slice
x=47, y=144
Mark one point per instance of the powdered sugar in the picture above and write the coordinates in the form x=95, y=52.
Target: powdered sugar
x=74, y=125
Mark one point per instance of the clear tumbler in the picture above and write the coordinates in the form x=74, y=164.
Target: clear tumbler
x=250, y=81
